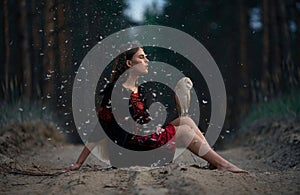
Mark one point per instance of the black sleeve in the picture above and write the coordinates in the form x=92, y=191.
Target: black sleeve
x=103, y=101
x=153, y=92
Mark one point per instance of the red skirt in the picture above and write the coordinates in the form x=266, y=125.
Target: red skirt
x=155, y=140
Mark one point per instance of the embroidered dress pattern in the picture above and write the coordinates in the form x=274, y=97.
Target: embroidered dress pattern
x=134, y=140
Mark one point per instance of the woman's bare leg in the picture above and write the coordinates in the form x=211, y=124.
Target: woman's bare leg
x=188, y=121
x=212, y=157
x=188, y=133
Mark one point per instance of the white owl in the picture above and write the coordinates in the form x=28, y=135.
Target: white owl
x=183, y=95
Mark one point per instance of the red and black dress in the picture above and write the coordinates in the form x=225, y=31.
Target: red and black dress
x=164, y=139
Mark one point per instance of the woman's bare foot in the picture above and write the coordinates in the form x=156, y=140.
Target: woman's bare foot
x=231, y=168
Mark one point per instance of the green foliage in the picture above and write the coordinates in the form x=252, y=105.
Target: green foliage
x=22, y=111
x=16, y=108
x=284, y=106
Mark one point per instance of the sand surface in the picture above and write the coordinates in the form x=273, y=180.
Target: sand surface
x=36, y=168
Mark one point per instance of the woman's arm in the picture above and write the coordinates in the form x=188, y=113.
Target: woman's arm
x=105, y=115
x=82, y=157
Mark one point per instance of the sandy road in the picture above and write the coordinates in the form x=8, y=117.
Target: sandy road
x=185, y=176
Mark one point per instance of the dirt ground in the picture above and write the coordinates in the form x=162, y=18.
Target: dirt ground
x=270, y=154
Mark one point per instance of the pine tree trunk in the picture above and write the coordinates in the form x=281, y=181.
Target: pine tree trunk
x=7, y=49
x=275, y=82
x=49, y=55
x=266, y=50
x=232, y=59
x=243, y=89
x=61, y=36
x=287, y=66
x=37, y=81
x=297, y=40
x=25, y=48
x=65, y=90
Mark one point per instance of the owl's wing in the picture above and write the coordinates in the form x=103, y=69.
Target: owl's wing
x=188, y=100
x=185, y=105
x=177, y=104
x=177, y=99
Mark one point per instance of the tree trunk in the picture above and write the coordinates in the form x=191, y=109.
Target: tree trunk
x=62, y=42
x=297, y=40
x=287, y=66
x=37, y=81
x=275, y=81
x=7, y=49
x=243, y=89
x=65, y=89
x=25, y=48
x=49, y=55
x=266, y=50
x=231, y=58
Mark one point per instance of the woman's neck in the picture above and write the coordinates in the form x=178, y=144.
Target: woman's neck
x=130, y=83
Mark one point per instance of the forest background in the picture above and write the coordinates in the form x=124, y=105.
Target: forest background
x=256, y=45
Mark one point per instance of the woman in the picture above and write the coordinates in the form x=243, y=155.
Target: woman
x=135, y=63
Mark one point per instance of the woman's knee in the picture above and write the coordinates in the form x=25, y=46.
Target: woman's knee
x=186, y=120
x=185, y=128
x=185, y=132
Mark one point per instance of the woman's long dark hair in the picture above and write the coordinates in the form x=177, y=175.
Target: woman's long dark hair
x=120, y=65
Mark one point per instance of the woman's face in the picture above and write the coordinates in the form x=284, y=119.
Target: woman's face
x=139, y=62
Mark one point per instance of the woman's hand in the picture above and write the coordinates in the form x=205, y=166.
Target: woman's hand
x=82, y=157
x=73, y=167
x=159, y=130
